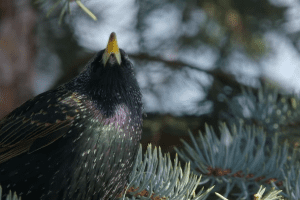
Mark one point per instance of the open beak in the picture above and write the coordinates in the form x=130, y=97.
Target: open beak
x=112, y=52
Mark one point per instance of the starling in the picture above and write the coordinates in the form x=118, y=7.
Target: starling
x=78, y=141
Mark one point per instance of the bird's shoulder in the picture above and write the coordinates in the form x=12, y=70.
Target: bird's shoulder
x=38, y=122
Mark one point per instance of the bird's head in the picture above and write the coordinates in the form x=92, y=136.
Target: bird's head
x=111, y=65
x=109, y=78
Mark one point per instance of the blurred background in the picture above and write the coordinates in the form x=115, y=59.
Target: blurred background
x=190, y=56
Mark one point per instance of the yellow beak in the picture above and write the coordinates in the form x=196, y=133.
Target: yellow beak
x=111, y=50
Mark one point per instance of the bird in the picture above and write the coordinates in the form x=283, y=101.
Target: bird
x=78, y=141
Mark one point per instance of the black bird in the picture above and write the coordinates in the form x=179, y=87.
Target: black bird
x=78, y=141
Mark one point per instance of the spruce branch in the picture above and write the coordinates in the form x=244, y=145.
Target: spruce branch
x=271, y=195
x=239, y=158
x=156, y=177
x=275, y=112
x=291, y=174
x=65, y=6
x=86, y=10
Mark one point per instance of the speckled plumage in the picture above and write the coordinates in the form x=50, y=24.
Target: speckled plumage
x=78, y=141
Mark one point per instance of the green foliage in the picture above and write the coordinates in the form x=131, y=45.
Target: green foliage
x=291, y=174
x=65, y=7
x=241, y=158
x=267, y=108
x=271, y=195
x=159, y=177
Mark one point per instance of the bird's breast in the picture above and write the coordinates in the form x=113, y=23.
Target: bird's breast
x=100, y=153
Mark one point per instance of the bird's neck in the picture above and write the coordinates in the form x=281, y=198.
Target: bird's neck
x=109, y=91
